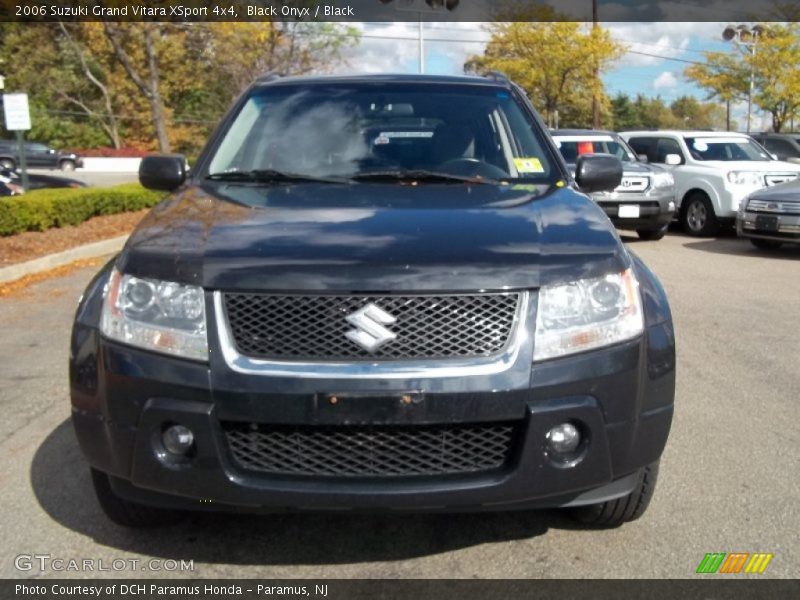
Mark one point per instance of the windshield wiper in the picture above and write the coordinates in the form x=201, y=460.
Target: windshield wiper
x=420, y=175
x=271, y=176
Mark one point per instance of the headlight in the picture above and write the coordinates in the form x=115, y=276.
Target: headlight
x=587, y=314
x=750, y=178
x=663, y=179
x=157, y=315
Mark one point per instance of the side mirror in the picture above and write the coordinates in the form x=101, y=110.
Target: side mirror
x=165, y=172
x=673, y=159
x=643, y=158
x=777, y=156
x=598, y=172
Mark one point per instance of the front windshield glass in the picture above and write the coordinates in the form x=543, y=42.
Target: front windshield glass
x=354, y=130
x=725, y=148
x=572, y=146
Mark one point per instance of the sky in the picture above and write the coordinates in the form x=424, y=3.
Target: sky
x=393, y=48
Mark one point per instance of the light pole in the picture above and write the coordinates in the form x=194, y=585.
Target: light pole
x=747, y=38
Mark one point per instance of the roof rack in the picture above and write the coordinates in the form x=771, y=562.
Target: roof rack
x=498, y=76
x=267, y=77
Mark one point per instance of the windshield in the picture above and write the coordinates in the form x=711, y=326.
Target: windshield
x=572, y=146
x=373, y=130
x=725, y=148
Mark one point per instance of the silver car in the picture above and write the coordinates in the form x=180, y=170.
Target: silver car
x=645, y=198
x=771, y=216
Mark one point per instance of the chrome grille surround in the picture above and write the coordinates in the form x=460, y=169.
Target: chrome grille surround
x=300, y=327
x=509, y=368
x=774, y=206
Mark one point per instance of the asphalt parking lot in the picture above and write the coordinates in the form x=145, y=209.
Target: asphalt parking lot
x=729, y=478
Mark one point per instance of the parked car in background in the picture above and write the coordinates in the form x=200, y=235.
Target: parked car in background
x=771, y=217
x=11, y=182
x=644, y=200
x=37, y=156
x=376, y=293
x=785, y=146
x=713, y=171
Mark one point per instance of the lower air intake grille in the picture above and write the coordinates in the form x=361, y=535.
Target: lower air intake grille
x=371, y=451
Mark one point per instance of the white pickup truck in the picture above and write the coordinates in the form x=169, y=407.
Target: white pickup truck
x=713, y=172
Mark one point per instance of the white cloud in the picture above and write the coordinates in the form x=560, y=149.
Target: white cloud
x=393, y=47
x=665, y=81
x=652, y=43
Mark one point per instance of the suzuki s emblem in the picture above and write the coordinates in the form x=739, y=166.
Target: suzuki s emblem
x=627, y=183
x=369, y=332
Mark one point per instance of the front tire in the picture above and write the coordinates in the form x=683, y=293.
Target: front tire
x=126, y=513
x=765, y=244
x=697, y=217
x=652, y=235
x=614, y=513
x=8, y=164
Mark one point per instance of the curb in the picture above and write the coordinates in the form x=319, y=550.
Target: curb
x=59, y=259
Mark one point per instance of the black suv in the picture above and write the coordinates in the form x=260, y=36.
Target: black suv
x=37, y=156
x=375, y=293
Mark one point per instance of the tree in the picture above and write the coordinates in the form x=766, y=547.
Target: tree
x=152, y=85
x=693, y=114
x=89, y=68
x=284, y=48
x=147, y=77
x=723, y=75
x=775, y=68
x=554, y=63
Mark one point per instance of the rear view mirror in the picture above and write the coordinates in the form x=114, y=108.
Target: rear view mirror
x=165, y=172
x=673, y=159
x=598, y=172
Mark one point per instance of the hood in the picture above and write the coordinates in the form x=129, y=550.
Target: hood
x=784, y=192
x=759, y=166
x=373, y=237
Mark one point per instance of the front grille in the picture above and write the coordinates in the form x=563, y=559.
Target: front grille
x=314, y=327
x=633, y=184
x=371, y=451
x=774, y=206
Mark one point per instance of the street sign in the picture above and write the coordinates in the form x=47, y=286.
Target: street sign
x=15, y=107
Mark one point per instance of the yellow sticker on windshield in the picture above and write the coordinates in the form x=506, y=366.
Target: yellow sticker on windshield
x=528, y=165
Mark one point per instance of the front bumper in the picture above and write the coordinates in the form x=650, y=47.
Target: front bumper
x=782, y=228
x=656, y=209
x=622, y=397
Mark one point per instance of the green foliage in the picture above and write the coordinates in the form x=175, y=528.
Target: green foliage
x=685, y=112
x=555, y=63
x=40, y=210
x=774, y=64
x=82, y=96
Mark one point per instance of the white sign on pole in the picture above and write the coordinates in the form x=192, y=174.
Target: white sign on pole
x=15, y=107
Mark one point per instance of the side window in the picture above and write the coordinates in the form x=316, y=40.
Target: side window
x=780, y=147
x=644, y=145
x=666, y=146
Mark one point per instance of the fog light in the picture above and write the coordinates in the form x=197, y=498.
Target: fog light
x=563, y=439
x=177, y=439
